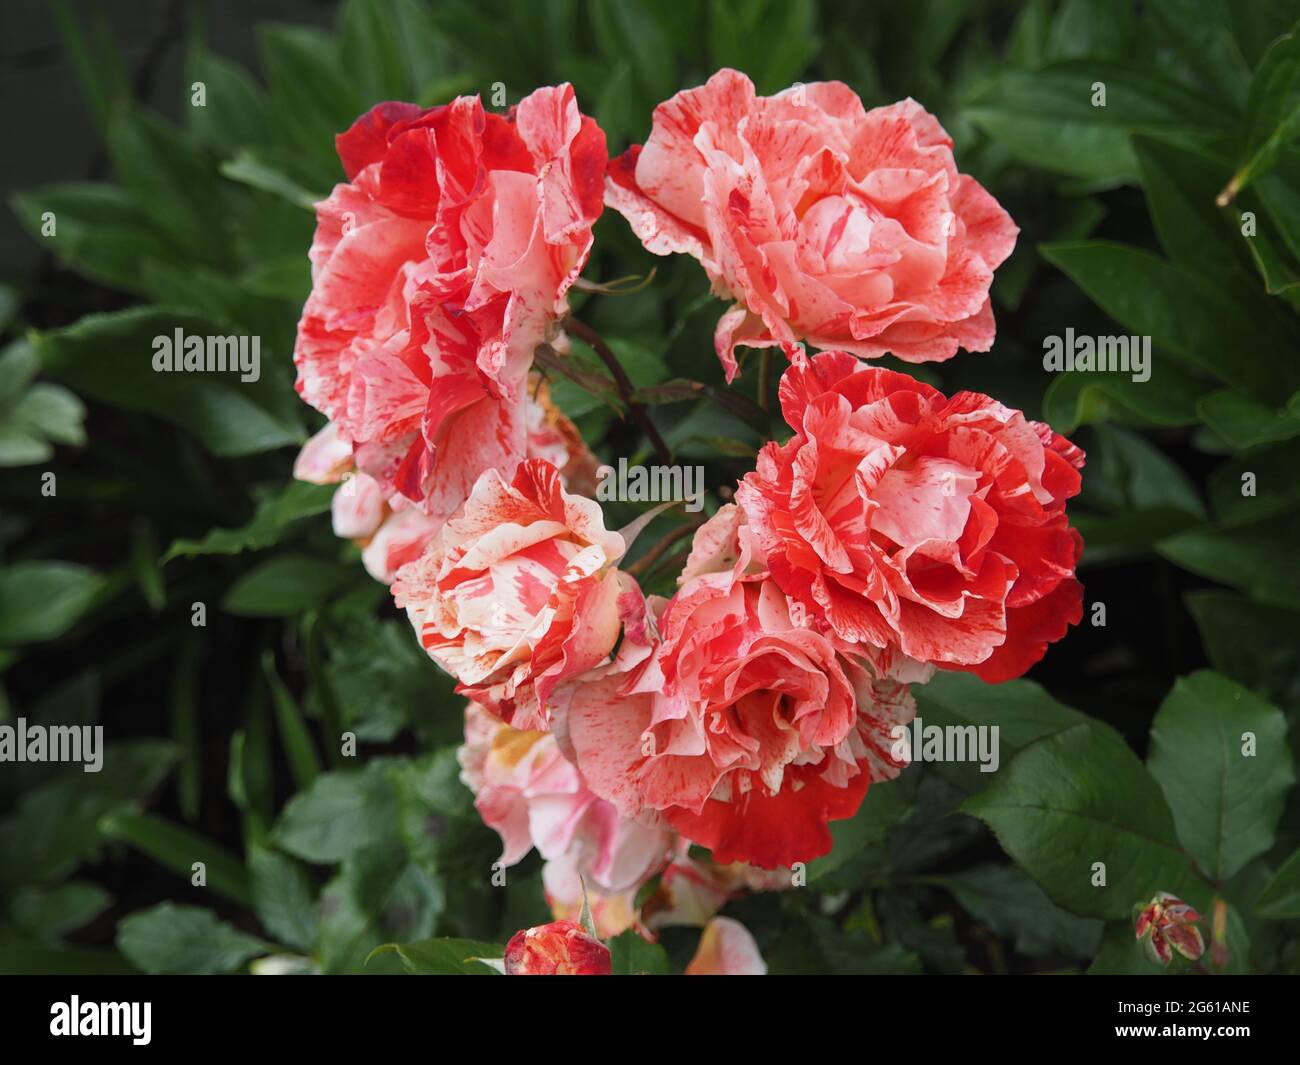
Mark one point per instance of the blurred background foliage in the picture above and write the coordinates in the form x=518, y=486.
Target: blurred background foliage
x=172, y=491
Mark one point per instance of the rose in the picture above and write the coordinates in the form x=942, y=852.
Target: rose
x=750, y=728
x=392, y=531
x=437, y=269
x=560, y=948
x=849, y=228
x=532, y=796
x=908, y=520
x=518, y=591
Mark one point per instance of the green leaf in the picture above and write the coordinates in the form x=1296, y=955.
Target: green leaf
x=235, y=112
x=1180, y=184
x=19, y=957
x=772, y=40
x=42, y=600
x=248, y=169
x=370, y=39
x=1258, y=558
x=283, y=897
x=18, y=365
x=285, y=278
x=381, y=678
x=1271, y=491
x=631, y=955
x=883, y=807
x=1279, y=193
x=1245, y=422
x=1081, y=398
x=436, y=819
x=808, y=943
x=185, y=939
x=1080, y=797
x=52, y=411
x=55, y=825
x=337, y=816
x=444, y=957
x=1201, y=32
x=1183, y=313
x=1090, y=28
x=178, y=848
x=299, y=748
x=1226, y=802
x=109, y=357
x=97, y=60
x=1272, y=112
x=1046, y=117
x=97, y=229
x=169, y=177
x=1143, y=497
x=377, y=897
x=1027, y=45
x=1280, y=898
x=48, y=914
x=285, y=585
x=934, y=938
x=184, y=721
x=311, y=98
x=631, y=30
x=1147, y=478
x=250, y=777
x=21, y=447
x=1015, y=908
x=1021, y=710
x=1254, y=644
x=276, y=513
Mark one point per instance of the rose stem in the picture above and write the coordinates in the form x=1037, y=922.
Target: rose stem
x=656, y=552
x=626, y=389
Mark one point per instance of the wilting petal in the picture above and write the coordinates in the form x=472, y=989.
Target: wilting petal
x=726, y=949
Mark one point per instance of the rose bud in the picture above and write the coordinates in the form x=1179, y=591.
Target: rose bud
x=1167, y=924
x=561, y=948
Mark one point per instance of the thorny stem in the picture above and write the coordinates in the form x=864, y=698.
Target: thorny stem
x=764, y=377
x=657, y=551
x=626, y=389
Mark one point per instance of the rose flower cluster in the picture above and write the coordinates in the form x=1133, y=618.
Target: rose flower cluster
x=895, y=532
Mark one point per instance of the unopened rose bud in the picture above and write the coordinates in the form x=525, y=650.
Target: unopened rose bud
x=560, y=948
x=1167, y=924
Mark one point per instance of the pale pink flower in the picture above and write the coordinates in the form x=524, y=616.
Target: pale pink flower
x=826, y=222
x=518, y=591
